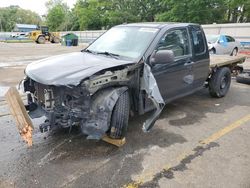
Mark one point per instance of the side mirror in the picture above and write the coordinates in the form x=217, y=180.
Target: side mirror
x=162, y=57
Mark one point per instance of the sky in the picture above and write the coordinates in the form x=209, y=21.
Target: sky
x=37, y=6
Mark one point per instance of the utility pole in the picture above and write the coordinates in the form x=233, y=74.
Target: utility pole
x=1, y=24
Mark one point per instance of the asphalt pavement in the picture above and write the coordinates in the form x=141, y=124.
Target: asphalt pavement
x=198, y=141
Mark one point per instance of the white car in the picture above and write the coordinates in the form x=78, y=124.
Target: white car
x=222, y=44
x=20, y=35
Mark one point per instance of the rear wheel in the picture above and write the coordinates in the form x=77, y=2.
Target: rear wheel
x=56, y=40
x=234, y=52
x=41, y=40
x=120, y=116
x=219, y=82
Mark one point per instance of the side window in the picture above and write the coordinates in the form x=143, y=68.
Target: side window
x=176, y=40
x=230, y=39
x=198, y=40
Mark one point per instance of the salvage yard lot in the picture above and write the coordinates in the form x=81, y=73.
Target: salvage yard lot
x=171, y=155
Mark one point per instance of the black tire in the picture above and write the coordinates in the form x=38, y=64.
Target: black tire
x=56, y=40
x=234, y=52
x=243, y=78
x=41, y=40
x=219, y=82
x=120, y=116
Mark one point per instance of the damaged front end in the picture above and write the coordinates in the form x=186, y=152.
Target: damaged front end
x=88, y=105
x=62, y=105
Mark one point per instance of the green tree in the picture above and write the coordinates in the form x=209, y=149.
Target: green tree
x=57, y=18
x=89, y=14
x=237, y=11
x=99, y=14
x=11, y=15
x=197, y=11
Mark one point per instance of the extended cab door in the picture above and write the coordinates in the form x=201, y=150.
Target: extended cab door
x=175, y=79
x=200, y=56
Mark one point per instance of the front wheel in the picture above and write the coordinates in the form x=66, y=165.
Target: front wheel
x=41, y=40
x=219, y=82
x=120, y=116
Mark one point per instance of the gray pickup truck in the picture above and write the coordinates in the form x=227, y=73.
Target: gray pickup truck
x=129, y=70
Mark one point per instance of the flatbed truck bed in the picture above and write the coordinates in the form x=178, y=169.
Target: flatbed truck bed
x=225, y=60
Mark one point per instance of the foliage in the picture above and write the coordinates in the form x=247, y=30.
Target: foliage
x=97, y=14
x=238, y=10
x=9, y=16
x=57, y=18
x=196, y=11
x=103, y=14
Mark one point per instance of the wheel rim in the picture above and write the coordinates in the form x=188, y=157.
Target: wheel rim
x=223, y=82
x=41, y=40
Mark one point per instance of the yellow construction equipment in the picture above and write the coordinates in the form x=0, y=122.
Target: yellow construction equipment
x=42, y=35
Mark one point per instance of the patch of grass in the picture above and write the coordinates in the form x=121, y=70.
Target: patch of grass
x=17, y=41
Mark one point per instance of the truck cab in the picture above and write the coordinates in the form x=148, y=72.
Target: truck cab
x=189, y=68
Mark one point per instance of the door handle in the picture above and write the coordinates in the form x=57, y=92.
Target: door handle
x=188, y=63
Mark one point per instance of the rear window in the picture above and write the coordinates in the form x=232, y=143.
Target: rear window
x=230, y=39
x=198, y=40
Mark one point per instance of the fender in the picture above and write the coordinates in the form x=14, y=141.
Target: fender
x=102, y=105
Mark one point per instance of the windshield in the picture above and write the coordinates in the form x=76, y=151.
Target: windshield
x=130, y=42
x=212, y=38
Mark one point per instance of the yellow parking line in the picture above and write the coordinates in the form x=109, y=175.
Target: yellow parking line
x=226, y=130
x=206, y=141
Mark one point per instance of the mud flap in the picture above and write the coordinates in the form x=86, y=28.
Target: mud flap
x=20, y=115
x=149, y=84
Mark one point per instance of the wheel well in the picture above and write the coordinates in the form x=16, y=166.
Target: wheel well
x=134, y=103
x=41, y=36
x=102, y=104
x=235, y=48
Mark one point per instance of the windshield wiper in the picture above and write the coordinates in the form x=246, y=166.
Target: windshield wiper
x=109, y=54
x=87, y=50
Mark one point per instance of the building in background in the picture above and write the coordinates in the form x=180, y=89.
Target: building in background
x=24, y=28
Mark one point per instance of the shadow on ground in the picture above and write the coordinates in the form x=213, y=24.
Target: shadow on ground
x=69, y=160
x=193, y=109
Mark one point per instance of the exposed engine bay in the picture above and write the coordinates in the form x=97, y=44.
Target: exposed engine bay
x=89, y=104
